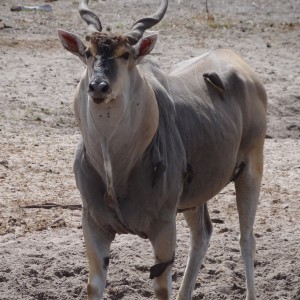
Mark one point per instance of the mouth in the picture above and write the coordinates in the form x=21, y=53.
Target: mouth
x=102, y=100
x=98, y=100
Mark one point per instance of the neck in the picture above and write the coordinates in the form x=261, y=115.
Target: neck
x=117, y=134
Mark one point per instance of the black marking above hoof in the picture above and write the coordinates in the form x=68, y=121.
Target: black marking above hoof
x=158, y=269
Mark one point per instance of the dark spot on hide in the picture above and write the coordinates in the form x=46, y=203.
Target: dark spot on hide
x=106, y=262
x=188, y=176
x=216, y=82
x=237, y=171
x=158, y=169
x=143, y=235
x=158, y=269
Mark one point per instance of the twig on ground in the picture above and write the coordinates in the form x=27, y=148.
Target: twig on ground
x=54, y=205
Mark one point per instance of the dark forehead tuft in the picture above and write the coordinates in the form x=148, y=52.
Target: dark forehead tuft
x=105, y=43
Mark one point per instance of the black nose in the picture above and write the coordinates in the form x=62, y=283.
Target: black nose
x=99, y=89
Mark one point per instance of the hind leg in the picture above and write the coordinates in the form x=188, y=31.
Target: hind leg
x=200, y=226
x=247, y=187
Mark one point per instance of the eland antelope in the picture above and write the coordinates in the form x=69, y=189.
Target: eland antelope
x=155, y=144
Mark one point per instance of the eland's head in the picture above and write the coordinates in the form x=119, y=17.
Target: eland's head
x=110, y=58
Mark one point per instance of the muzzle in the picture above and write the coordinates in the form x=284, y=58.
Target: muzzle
x=99, y=90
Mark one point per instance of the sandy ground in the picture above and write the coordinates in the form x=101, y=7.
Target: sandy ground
x=42, y=253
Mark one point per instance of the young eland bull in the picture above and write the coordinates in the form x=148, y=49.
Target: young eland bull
x=155, y=144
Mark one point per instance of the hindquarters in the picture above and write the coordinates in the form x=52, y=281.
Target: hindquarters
x=221, y=115
x=248, y=185
x=249, y=94
x=223, y=132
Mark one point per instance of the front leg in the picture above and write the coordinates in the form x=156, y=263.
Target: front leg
x=163, y=239
x=97, y=245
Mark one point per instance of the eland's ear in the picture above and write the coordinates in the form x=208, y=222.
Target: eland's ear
x=145, y=45
x=72, y=43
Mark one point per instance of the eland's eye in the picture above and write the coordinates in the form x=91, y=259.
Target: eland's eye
x=88, y=54
x=125, y=55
